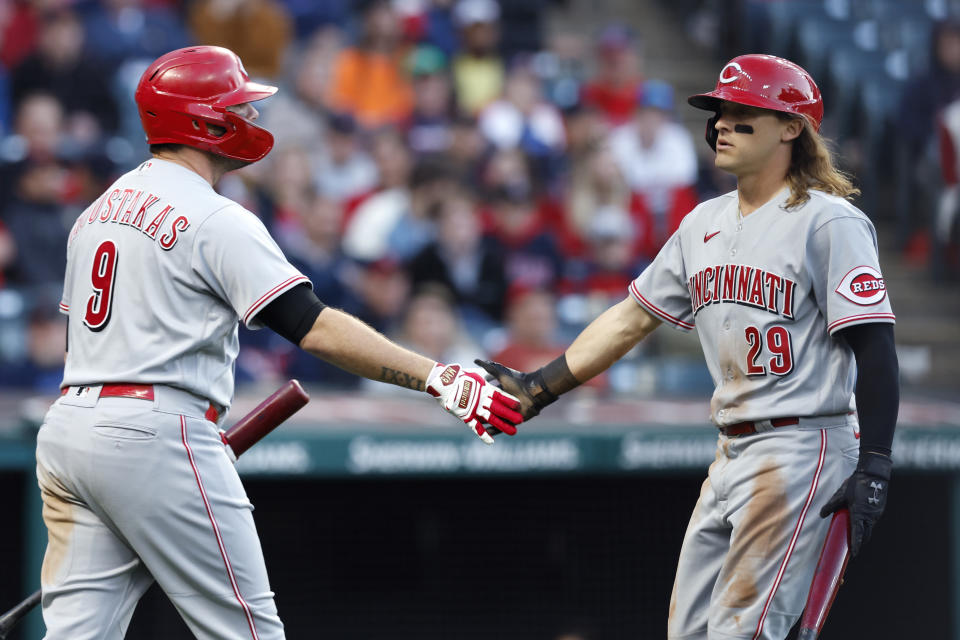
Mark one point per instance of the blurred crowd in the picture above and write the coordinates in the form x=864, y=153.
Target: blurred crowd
x=442, y=169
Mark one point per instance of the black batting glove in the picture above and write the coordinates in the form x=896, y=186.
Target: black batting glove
x=864, y=493
x=528, y=388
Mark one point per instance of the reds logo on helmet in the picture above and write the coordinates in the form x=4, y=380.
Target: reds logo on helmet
x=863, y=285
x=734, y=69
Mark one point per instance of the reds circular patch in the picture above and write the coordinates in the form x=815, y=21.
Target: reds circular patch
x=863, y=285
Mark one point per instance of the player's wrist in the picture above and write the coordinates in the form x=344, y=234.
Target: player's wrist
x=549, y=382
x=430, y=385
x=875, y=463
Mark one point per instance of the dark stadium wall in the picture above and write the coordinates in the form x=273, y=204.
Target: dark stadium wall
x=520, y=558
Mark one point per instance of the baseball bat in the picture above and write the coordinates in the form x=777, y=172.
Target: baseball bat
x=267, y=416
x=12, y=617
x=827, y=577
x=248, y=430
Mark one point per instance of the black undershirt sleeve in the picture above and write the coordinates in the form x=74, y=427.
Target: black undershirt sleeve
x=292, y=313
x=878, y=383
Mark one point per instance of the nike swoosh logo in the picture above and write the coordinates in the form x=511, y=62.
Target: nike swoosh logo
x=707, y=236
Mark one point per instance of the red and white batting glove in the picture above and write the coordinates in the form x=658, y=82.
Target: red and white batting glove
x=465, y=393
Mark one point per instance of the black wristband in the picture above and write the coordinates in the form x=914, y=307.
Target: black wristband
x=552, y=380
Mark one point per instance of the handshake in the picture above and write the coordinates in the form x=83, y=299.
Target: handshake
x=468, y=393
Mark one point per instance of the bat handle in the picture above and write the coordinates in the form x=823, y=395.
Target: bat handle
x=807, y=633
x=12, y=617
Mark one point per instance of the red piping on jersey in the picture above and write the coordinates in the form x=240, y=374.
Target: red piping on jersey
x=269, y=294
x=64, y=307
x=657, y=310
x=216, y=532
x=863, y=316
x=796, y=533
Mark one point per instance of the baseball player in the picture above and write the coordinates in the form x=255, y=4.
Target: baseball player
x=781, y=278
x=136, y=483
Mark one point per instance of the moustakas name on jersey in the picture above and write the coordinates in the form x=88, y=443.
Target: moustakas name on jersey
x=159, y=270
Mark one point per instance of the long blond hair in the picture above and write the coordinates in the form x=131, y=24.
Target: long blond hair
x=812, y=167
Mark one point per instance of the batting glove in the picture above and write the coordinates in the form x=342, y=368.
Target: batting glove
x=530, y=388
x=865, y=494
x=466, y=394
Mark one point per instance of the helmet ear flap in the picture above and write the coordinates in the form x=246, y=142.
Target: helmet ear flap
x=711, y=134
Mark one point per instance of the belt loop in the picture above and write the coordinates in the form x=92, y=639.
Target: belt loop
x=762, y=425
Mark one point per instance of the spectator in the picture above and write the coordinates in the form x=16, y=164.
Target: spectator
x=467, y=149
x=36, y=364
x=431, y=327
x=523, y=119
x=19, y=28
x=46, y=344
x=465, y=261
x=342, y=169
x=532, y=257
x=118, y=30
x=256, y=30
x=596, y=182
x=369, y=80
x=430, y=125
x=297, y=116
x=586, y=128
x=381, y=289
x=430, y=184
x=478, y=71
x=610, y=264
x=287, y=187
x=35, y=188
x=926, y=95
x=948, y=202
x=440, y=30
x=658, y=159
x=313, y=247
x=531, y=331
x=60, y=67
x=370, y=221
x=923, y=100
x=619, y=74
x=562, y=70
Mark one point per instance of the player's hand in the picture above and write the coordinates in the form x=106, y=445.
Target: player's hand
x=530, y=390
x=865, y=494
x=466, y=394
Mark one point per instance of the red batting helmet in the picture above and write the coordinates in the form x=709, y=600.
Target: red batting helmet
x=765, y=81
x=184, y=90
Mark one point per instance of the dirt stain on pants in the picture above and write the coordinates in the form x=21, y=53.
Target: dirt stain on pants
x=759, y=534
x=58, y=516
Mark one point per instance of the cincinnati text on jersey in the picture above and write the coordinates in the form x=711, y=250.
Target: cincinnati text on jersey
x=742, y=284
x=141, y=211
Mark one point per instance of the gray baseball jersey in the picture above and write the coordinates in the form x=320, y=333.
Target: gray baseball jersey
x=159, y=270
x=766, y=293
